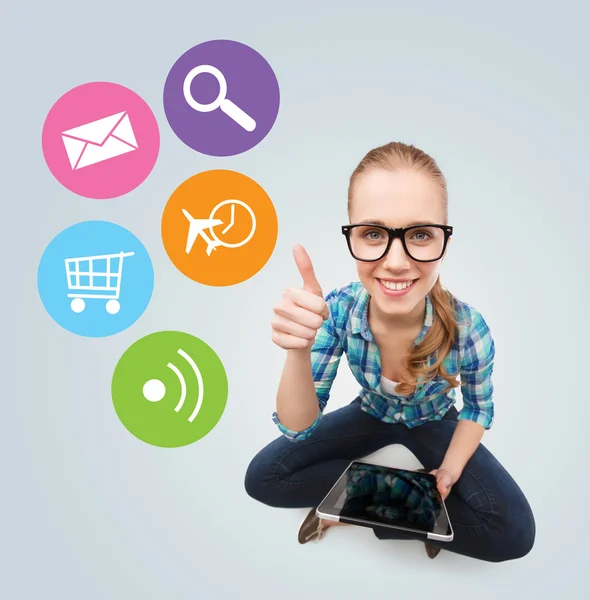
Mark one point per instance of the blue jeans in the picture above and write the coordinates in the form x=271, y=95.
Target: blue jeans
x=490, y=515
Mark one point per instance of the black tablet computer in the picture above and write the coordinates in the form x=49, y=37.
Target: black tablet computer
x=373, y=495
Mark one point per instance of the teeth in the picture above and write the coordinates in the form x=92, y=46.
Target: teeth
x=396, y=286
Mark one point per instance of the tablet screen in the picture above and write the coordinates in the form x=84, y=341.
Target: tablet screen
x=394, y=497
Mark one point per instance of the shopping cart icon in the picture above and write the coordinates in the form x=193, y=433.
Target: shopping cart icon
x=95, y=277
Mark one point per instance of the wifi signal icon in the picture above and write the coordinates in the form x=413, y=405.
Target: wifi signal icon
x=154, y=389
x=169, y=389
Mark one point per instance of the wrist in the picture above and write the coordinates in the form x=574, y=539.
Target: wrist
x=454, y=470
x=298, y=353
x=298, y=356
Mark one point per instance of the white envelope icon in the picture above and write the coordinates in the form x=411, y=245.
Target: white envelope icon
x=99, y=140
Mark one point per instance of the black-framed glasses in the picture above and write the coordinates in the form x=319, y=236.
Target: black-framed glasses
x=424, y=243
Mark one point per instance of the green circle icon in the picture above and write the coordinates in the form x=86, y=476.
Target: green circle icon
x=169, y=389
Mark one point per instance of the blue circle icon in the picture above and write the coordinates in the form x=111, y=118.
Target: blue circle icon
x=95, y=278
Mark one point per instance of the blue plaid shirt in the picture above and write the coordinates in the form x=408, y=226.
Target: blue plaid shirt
x=347, y=330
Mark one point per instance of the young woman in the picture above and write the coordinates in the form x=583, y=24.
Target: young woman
x=407, y=339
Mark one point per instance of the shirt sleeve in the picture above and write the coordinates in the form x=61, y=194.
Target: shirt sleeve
x=325, y=358
x=477, y=366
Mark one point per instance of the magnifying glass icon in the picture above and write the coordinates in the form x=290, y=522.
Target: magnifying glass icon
x=227, y=106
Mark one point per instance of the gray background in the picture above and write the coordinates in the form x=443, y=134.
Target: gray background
x=497, y=92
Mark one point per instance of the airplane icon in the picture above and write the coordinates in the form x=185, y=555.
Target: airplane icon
x=197, y=227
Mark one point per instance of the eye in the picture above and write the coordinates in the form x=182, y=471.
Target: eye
x=373, y=234
x=422, y=232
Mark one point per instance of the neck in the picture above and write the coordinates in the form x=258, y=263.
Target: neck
x=405, y=323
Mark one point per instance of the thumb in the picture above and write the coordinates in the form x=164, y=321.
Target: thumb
x=445, y=480
x=444, y=483
x=310, y=282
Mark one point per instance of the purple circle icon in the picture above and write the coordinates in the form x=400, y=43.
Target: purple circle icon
x=221, y=98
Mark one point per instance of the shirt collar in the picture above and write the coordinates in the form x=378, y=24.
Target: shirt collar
x=359, y=321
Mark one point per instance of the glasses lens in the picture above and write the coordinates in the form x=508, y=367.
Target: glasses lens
x=368, y=242
x=425, y=243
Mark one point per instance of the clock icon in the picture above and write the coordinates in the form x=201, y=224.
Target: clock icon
x=238, y=220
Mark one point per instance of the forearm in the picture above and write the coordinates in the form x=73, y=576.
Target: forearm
x=463, y=445
x=297, y=403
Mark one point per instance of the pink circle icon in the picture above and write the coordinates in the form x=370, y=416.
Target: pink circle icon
x=100, y=140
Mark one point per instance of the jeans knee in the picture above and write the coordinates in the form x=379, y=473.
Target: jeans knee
x=519, y=537
x=524, y=540
x=260, y=484
x=253, y=481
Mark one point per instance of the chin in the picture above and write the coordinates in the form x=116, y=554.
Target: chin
x=391, y=303
x=393, y=308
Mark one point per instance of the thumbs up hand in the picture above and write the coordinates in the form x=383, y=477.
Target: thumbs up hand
x=301, y=311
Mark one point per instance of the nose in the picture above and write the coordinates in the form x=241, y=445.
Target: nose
x=396, y=259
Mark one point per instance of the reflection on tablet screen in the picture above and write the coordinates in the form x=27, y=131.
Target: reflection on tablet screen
x=401, y=498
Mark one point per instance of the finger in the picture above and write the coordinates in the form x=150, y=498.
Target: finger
x=299, y=315
x=289, y=342
x=307, y=300
x=283, y=325
x=310, y=282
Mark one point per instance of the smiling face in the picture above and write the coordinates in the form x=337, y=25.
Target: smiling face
x=397, y=199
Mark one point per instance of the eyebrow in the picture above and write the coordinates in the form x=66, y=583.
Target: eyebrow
x=379, y=222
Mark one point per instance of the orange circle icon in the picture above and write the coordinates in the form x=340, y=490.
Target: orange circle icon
x=219, y=227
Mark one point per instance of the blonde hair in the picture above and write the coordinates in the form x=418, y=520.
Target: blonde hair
x=442, y=335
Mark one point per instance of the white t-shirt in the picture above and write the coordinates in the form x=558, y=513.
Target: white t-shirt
x=388, y=386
